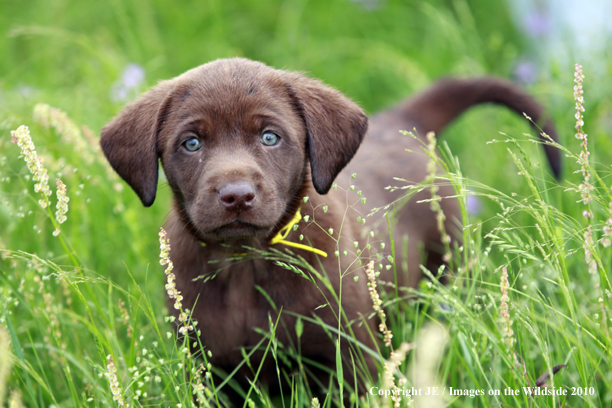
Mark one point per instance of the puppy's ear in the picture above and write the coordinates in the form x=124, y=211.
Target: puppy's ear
x=335, y=126
x=129, y=141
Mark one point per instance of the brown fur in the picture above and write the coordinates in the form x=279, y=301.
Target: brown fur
x=228, y=104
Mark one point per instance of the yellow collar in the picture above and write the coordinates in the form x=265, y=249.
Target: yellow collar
x=282, y=234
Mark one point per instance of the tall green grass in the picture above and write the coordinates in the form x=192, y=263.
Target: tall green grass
x=70, y=303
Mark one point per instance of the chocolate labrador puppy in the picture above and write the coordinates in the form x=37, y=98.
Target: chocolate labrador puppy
x=248, y=152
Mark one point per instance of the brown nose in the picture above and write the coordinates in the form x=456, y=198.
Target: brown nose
x=237, y=196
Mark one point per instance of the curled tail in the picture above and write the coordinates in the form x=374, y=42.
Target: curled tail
x=435, y=108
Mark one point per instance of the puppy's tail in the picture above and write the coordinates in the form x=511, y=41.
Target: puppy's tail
x=435, y=108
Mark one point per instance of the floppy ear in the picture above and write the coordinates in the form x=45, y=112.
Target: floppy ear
x=335, y=126
x=129, y=141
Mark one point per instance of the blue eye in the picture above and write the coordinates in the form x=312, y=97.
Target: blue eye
x=269, y=139
x=193, y=144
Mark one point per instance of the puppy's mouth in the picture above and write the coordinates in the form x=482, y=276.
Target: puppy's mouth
x=239, y=229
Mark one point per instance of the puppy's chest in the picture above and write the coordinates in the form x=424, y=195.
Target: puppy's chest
x=241, y=297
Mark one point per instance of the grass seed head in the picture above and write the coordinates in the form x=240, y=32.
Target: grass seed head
x=62, y=204
x=114, y=382
x=164, y=259
x=22, y=138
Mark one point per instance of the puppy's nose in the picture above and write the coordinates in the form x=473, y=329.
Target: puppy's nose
x=237, y=196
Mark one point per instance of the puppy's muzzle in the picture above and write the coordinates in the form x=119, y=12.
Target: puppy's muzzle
x=237, y=197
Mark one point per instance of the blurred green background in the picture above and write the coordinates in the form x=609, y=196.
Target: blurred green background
x=377, y=54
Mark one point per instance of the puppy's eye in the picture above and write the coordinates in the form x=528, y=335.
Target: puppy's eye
x=192, y=144
x=270, y=139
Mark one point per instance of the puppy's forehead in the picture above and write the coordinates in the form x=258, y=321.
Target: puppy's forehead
x=234, y=83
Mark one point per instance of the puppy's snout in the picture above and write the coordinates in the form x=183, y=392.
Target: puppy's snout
x=237, y=196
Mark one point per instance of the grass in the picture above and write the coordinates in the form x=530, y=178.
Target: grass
x=70, y=303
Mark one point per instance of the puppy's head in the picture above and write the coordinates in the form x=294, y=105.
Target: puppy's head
x=235, y=138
